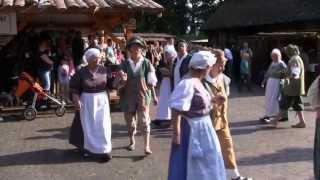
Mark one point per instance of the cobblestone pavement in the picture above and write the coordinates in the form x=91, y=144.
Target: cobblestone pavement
x=39, y=149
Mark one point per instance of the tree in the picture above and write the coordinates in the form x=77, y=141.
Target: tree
x=177, y=17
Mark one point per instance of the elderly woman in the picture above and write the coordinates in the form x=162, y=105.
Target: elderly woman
x=195, y=152
x=88, y=87
x=163, y=114
x=215, y=82
x=275, y=73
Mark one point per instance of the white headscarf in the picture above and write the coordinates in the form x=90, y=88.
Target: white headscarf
x=276, y=51
x=202, y=59
x=171, y=51
x=90, y=53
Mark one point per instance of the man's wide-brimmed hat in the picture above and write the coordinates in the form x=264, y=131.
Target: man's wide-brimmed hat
x=136, y=40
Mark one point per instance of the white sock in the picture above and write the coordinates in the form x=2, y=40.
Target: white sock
x=232, y=173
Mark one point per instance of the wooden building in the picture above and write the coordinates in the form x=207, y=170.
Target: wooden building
x=266, y=25
x=25, y=16
x=95, y=15
x=149, y=37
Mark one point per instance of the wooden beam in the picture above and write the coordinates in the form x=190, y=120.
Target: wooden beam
x=26, y=21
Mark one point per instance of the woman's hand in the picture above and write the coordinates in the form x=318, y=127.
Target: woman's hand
x=76, y=101
x=219, y=99
x=77, y=105
x=165, y=71
x=123, y=76
x=176, y=139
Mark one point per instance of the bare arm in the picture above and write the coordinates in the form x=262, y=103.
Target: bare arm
x=154, y=95
x=176, y=123
x=76, y=101
x=46, y=59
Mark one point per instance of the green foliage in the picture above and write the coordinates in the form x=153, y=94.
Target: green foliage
x=175, y=19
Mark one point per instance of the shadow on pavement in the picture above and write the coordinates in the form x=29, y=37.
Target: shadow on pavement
x=244, y=123
x=48, y=156
x=281, y=156
x=62, y=133
x=235, y=132
x=133, y=158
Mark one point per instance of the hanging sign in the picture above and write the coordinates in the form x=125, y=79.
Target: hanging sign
x=8, y=24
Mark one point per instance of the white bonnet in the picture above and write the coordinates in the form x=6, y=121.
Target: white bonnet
x=276, y=51
x=171, y=51
x=202, y=59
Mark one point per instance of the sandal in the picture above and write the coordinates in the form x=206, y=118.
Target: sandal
x=147, y=151
x=131, y=147
x=299, y=125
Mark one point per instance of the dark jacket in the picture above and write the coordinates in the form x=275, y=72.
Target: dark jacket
x=184, y=69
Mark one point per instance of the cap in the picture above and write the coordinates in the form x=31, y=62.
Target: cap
x=136, y=40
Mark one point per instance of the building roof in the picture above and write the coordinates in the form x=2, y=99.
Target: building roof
x=248, y=13
x=132, y=5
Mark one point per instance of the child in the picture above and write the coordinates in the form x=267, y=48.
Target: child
x=64, y=75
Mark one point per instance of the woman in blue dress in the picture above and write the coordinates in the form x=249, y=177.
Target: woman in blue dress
x=195, y=153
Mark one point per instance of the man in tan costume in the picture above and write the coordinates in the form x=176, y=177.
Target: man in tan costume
x=216, y=83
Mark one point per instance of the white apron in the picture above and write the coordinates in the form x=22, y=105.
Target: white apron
x=272, y=97
x=163, y=110
x=96, y=122
x=204, y=159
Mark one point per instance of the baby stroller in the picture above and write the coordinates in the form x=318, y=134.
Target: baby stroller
x=26, y=82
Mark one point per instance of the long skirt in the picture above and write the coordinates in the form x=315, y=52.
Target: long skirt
x=272, y=97
x=316, y=152
x=96, y=122
x=199, y=155
x=76, y=132
x=163, y=110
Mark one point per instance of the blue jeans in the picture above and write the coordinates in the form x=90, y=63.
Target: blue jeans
x=45, y=79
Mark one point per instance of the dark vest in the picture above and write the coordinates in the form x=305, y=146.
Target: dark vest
x=184, y=68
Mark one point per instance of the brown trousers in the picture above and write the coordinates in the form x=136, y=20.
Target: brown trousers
x=140, y=118
x=227, y=149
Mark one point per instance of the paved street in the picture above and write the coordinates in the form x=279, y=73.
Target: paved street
x=39, y=149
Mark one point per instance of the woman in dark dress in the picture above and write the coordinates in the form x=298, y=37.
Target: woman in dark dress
x=91, y=129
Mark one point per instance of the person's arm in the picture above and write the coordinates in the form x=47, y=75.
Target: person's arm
x=120, y=81
x=46, y=59
x=250, y=53
x=76, y=101
x=176, y=121
x=75, y=90
x=154, y=95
